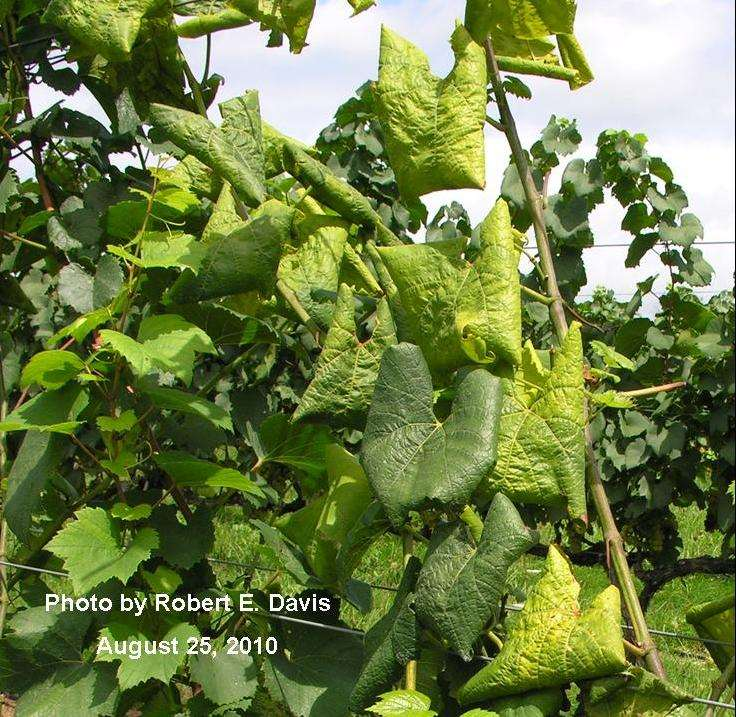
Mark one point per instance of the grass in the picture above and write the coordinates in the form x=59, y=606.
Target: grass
x=688, y=663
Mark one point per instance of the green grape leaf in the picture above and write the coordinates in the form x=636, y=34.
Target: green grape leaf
x=414, y=460
x=553, y=642
x=225, y=678
x=77, y=689
x=159, y=666
x=206, y=24
x=457, y=312
x=165, y=342
x=460, y=587
x=244, y=260
x=389, y=644
x=537, y=703
x=107, y=27
x=164, y=250
x=175, y=400
x=402, y=703
x=541, y=445
x=635, y=693
x=51, y=369
x=311, y=673
x=346, y=370
x=321, y=527
x=290, y=17
x=233, y=150
x=191, y=472
x=183, y=545
x=433, y=127
x=224, y=219
x=715, y=621
x=312, y=269
x=35, y=463
x=51, y=411
x=93, y=551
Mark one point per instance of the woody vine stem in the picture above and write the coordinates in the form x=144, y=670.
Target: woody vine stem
x=559, y=321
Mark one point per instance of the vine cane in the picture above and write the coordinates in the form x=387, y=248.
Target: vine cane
x=557, y=314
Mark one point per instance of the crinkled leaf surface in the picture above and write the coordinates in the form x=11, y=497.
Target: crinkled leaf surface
x=457, y=312
x=244, y=260
x=433, y=127
x=290, y=17
x=635, y=693
x=346, y=370
x=108, y=27
x=541, y=444
x=411, y=458
x=461, y=583
x=224, y=219
x=389, y=644
x=312, y=269
x=320, y=528
x=715, y=621
x=313, y=674
x=553, y=642
x=233, y=150
x=93, y=551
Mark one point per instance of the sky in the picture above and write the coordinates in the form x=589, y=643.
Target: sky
x=663, y=67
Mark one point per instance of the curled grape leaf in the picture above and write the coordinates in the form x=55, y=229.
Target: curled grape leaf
x=224, y=19
x=433, y=126
x=389, y=644
x=346, y=370
x=461, y=583
x=244, y=260
x=321, y=527
x=403, y=703
x=541, y=443
x=233, y=150
x=634, y=693
x=413, y=459
x=715, y=621
x=458, y=312
x=553, y=642
x=107, y=27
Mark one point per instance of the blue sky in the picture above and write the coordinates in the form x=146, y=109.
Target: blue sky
x=663, y=67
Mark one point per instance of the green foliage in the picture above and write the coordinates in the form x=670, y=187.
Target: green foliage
x=180, y=332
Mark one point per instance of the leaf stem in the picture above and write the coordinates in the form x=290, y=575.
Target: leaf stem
x=410, y=672
x=293, y=301
x=559, y=321
x=720, y=686
x=536, y=295
x=652, y=390
x=22, y=240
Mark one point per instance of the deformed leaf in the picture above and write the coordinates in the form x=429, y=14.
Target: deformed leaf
x=389, y=644
x=541, y=445
x=244, y=260
x=224, y=219
x=205, y=24
x=321, y=527
x=715, y=621
x=553, y=642
x=457, y=312
x=414, y=460
x=635, y=693
x=107, y=27
x=433, y=127
x=346, y=370
x=233, y=150
x=93, y=550
x=461, y=583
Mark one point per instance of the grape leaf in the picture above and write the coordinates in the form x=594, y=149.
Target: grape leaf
x=541, y=445
x=458, y=312
x=715, y=621
x=403, y=703
x=50, y=411
x=346, y=371
x=51, y=369
x=460, y=587
x=553, y=642
x=433, y=127
x=225, y=678
x=411, y=458
x=389, y=644
x=176, y=400
x=93, y=551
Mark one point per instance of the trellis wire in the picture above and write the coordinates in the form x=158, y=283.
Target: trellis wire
x=361, y=633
